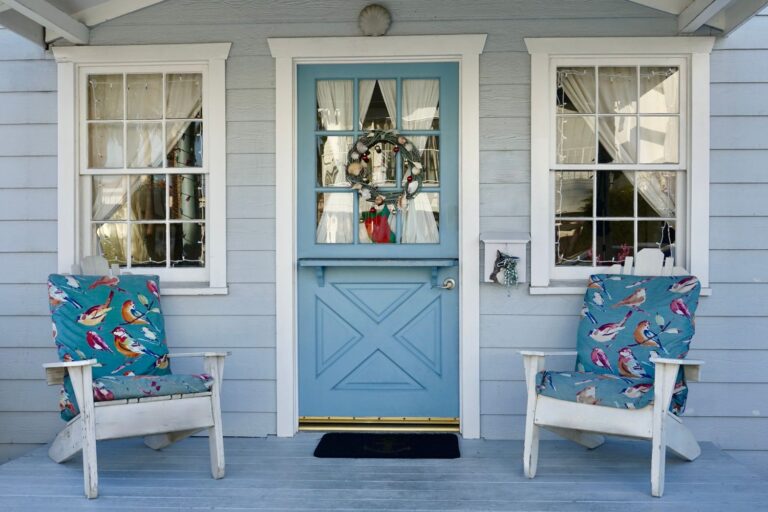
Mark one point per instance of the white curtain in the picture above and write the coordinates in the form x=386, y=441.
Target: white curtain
x=420, y=104
x=616, y=138
x=334, y=99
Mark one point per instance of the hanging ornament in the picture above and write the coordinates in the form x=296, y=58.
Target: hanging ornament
x=409, y=179
x=396, y=149
x=378, y=149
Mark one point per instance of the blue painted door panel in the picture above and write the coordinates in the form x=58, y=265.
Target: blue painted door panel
x=377, y=340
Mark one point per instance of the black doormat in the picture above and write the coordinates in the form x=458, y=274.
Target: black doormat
x=347, y=445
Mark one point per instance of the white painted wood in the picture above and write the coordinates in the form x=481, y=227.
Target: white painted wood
x=663, y=388
x=214, y=366
x=606, y=420
x=288, y=53
x=585, y=439
x=699, y=13
x=23, y=26
x=533, y=364
x=668, y=6
x=679, y=438
x=101, y=12
x=160, y=441
x=123, y=54
x=645, y=46
x=49, y=16
x=738, y=13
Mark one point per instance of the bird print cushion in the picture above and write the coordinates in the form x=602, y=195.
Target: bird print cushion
x=625, y=321
x=118, y=321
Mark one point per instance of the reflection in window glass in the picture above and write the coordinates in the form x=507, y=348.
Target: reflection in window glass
x=187, y=244
x=144, y=96
x=659, y=90
x=421, y=104
x=659, y=140
x=656, y=194
x=186, y=196
x=109, y=197
x=615, y=194
x=332, y=160
x=147, y=245
x=618, y=90
x=573, y=243
x=576, y=90
x=105, y=145
x=573, y=193
x=111, y=242
x=145, y=145
x=105, y=97
x=335, y=219
x=614, y=241
x=148, y=197
x=184, y=96
x=334, y=104
x=618, y=136
x=575, y=140
x=184, y=144
x=657, y=234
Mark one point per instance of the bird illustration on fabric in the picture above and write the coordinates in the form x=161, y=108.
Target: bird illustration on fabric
x=96, y=342
x=149, y=334
x=632, y=301
x=585, y=313
x=128, y=346
x=684, y=285
x=608, y=332
x=644, y=336
x=637, y=390
x=72, y=282
x=599, y=358
x=162, y=362
x=153, y=289
x=101, y=393
x=588, y=395
x=596, y=283
x=638, y=283
x=678, y=307
x=96, y=314
x=133, y=316
x=629, y=367
x=57, y=297
x=598, y=299
x=105, y=281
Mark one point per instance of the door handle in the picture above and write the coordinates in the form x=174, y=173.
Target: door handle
x=448, y=284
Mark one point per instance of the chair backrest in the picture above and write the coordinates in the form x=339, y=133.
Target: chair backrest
x=648, y=262
x=116, y=320
x=626, y=319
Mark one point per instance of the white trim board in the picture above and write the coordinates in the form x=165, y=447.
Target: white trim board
x=288, y=52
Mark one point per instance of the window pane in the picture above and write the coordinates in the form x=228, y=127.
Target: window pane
x=421, y=219
x=332, y=161
x=378, y=223
x=335, y=220
x=184, y=144
x=573, y=243
x=145, y=145
x=188, y=244
x=147, y=245
x=110, y=241
x=659, y=90
x=659, y=140
x=105, y=97
x=615, y=194
x=377, y=104
x=429, y=149
x=656, y=194
x=186, y=194
x=573, y=194
x=105, y=145
x=617, y=90
x=144, y=96
x=184, y=96
x=109, y=197
x=148, y=197
x=614, y=241
x=657, y=234
x=421, y=104
x=576, y=90
x=618, y=141
x=575, y=140
x=334, y=104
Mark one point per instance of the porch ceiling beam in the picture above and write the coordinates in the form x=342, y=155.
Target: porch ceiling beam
x=700, y=13
x=22, y=26
x=52, y=18
x=739, y=13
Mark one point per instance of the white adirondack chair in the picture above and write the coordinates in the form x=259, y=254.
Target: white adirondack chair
x=162, y=420
x=585, y=424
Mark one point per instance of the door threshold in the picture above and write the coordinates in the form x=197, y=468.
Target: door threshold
x=377, y=424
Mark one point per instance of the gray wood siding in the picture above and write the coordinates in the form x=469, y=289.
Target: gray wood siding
x=243, y=321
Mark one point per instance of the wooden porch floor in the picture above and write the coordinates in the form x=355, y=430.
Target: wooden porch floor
x=281, y=474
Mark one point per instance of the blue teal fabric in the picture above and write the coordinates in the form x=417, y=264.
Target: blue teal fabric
x=625, y=321
x=119, y=322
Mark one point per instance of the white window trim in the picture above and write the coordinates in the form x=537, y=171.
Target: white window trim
x=209, y=57
x=288, y=53
x=695, y=51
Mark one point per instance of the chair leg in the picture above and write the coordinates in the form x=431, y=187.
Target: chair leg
x=531, y=447
x=214, y=367
x=82, y=382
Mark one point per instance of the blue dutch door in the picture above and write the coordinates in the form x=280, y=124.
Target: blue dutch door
x=378, y=240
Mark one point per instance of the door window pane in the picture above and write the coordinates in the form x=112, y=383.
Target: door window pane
x=659, y=90
x=575, y=90
x=186, y=196
x=144, y=96
x=618, y=140
x=144, y=145
x=335, y=220
x=615, y=194
x=575, y=139
x=148, y=197
x=187, y=244
x=105, y=145
x=573, y=243
x=334, y=104
x=378, y=223
x=421, y=219
x=617, y=90
x=429, y=149
x=185, y=144
x=421, y=104
x=659, y=139
x=184, y=95
x=332, y=161
x=105, y=97
x=377, y=104
x=109, y=197
x=573, y=193
x=614, y=241
x=147, y=245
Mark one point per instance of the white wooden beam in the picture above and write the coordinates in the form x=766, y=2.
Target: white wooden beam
x=22, y=26
x=100, y=13
x=739, y=13
x=700, y=13
x=50, y=17
x=669, y=6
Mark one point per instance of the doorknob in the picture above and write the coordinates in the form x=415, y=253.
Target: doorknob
x=448, y=284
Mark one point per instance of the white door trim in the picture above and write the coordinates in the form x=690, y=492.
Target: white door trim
x=288, y=52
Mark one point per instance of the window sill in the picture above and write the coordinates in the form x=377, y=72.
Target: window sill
x=577, y=288
x=192, y=289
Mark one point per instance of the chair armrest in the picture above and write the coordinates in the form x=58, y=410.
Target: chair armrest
x=199, y=354
x=55, y=372
x=691, y=367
